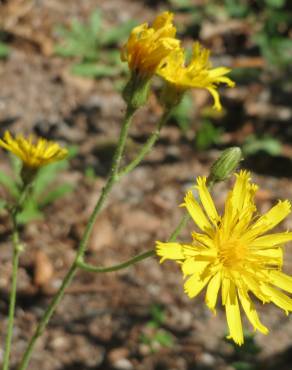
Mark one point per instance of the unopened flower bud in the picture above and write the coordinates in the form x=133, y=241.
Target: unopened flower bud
x=136, y=91
x=225, y=165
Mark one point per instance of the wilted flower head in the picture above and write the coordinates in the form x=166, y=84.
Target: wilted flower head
x=147, y=46
x=198, y=73
x=34, y=153
x=234, y=253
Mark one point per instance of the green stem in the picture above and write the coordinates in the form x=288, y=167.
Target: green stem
x=17, y=248
x=140, y=257
x=46, y=317
x=113, y=178
x=12, y=299
x=147, y=146
x=182, y=224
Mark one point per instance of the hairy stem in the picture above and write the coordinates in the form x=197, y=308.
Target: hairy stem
x=112, y=179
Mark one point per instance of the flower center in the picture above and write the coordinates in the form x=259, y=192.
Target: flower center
x=231, y=253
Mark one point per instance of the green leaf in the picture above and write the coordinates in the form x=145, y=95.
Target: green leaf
x=182, y=113
x=164, y=338
x=9, y=184
x=207, y=135
x=243, y=365
x=55, y=194
x=29, y=213
x=117, y=35
x=95, y=22
x=47, y=175
x=3, y=203
x=157, y=314
x=4, y=50
x=266, y=143
x=275, y=3
x=93, y=70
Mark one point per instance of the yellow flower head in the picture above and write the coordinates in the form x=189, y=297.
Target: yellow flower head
x=34, y=154
x=148, y=46
x=234, y=252
x=198, y=73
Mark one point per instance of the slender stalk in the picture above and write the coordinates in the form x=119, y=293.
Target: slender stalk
x=46, y=317
x=112, y=179
x=17, y=249
x=183, y=222
x=12, y=299
x=147, y=146
x=140, y=257
x=110, y=182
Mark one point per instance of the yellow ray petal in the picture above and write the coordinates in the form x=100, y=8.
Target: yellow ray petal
x=212, y=291
x=273, y=217
x=233, y=316
x=203, y=239
x=251, y=313
x=280, y=299
x=192, y=267
x=271, y=240
x=281, y=280
x=194, y=285
x=171, y=251
x=207, y=200
x=240, y=192
x=196, y=212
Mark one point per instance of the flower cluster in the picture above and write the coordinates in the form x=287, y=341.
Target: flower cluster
x=234, y=253
x=155, y=50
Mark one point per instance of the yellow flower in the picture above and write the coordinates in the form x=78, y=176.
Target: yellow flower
x=198, y=73
x=33, y=154
x=148, y=46
x=234, y=252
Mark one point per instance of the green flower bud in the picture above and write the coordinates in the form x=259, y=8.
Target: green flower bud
x=171, y=96
x=136, y=91
x=225, y=165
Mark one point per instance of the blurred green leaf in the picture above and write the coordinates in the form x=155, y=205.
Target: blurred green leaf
x=3, y=203
x=117, y=34
x=207, y=135
x=164, y=338
x=268, y=144
x=243, y=365
x=275, y=3
x=55, y=194
x=4, y=50
x=9, y=184
x=30, y=212
x=46, y=176
x=93, y=70
x=90, y=43
x=95, y=23
x=236, y=8
x=182, y=113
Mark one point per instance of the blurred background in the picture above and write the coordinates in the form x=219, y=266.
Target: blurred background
x=61, y=78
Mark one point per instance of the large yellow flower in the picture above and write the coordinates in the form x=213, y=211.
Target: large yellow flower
x=198, y=73
x=235, y=253
x=34, y=154
x=147, y=46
